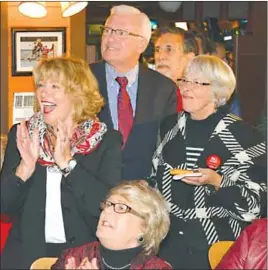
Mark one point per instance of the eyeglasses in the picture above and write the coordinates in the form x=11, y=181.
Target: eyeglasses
x=119, y=208
x=118, y=32
x=184, y=81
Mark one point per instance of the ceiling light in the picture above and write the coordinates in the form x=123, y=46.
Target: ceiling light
x=33, y=9
x=71, y=8
x=182, y=25
x=227, y=38
x=169, y=6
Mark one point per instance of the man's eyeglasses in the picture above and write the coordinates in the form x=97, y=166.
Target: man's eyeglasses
x=184, y=81
x=119, y=208
x=118, y=32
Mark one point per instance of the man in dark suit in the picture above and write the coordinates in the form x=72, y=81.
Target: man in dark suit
x=137, y=98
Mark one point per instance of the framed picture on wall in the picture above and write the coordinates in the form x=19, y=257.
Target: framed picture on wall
x=31, y=45
x=93, y=53
x=23, y=106
x=93, y=39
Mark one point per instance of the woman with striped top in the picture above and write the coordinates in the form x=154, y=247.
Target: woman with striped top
x=225, y=188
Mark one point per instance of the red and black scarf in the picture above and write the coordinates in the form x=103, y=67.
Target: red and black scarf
x=86, y=137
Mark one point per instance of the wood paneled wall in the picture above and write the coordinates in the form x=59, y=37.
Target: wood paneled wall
x=251, y=64
x=3, y=69
x=17, y=20
x=11, y=18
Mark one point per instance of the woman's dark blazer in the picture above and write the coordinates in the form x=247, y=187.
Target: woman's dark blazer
x=81, y=193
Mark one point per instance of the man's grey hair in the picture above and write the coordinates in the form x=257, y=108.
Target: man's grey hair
x=146, y=30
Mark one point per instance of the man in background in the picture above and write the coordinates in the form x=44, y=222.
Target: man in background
x=174, y=47
x=204, y=43
x=137, y=98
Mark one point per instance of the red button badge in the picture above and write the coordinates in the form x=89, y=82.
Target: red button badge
x=213, y=162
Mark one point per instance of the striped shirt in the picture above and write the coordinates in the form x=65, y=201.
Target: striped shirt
x=192, y=156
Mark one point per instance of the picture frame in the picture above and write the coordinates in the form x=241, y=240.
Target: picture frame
x=93, y=53
x=30, y=45
x=93, y=39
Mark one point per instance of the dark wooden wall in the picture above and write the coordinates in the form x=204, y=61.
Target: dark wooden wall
x=97, y=11
x=251, y=64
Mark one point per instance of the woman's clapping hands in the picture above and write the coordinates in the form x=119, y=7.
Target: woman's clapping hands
x=62, y=154
x=29, y=151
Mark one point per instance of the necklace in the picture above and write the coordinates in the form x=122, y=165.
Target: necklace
x=115, y=268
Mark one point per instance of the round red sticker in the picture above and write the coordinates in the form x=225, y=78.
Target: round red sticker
x=213, y=162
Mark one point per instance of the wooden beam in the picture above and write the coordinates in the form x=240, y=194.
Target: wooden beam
x=224, y=10
x=199, y=12
x=78, y=35
x=4, y=67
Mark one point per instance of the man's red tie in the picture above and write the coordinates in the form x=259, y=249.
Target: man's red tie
x=124, y=109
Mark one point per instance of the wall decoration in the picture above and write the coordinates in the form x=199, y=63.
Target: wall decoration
x=23, y=104
x=31, y=45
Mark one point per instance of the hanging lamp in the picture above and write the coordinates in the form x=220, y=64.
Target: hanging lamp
x=71, y=8
x=33, y=9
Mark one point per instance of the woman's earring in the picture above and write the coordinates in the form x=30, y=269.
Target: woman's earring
x=141, y=239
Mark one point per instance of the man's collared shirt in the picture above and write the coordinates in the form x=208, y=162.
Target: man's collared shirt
x=113, y=89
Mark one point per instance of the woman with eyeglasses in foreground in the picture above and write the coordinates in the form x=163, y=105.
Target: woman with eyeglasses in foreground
x=133, y=222
x=224, y=186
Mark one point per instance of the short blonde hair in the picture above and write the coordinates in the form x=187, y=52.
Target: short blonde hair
x=146, y=30
x=217, y=72
x=3, y=144
x=77, y=80
x=151, y=205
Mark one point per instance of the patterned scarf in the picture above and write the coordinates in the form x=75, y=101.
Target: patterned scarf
x=85, y=139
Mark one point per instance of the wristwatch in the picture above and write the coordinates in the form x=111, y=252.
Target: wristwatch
x=71, y=164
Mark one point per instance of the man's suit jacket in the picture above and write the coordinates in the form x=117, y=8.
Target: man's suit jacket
x=81, y=193
x=156, y=98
